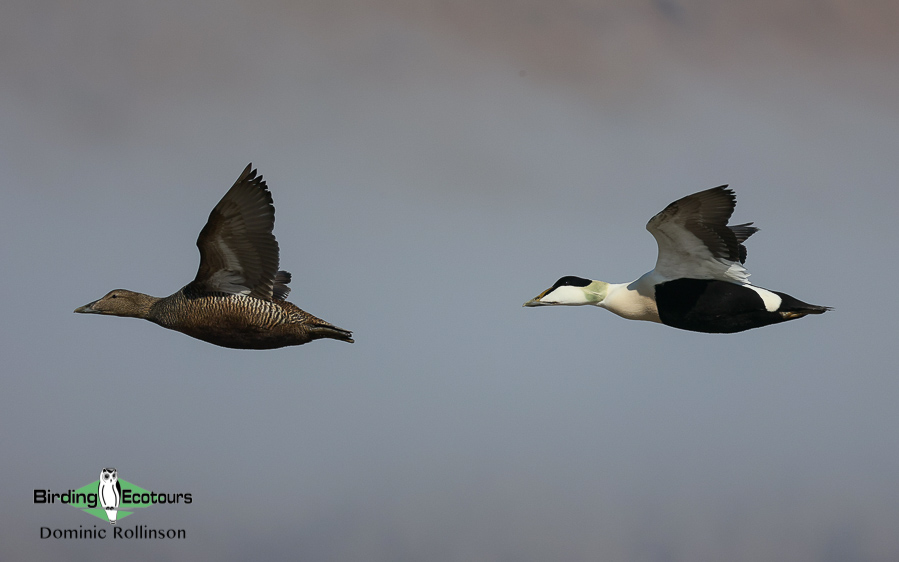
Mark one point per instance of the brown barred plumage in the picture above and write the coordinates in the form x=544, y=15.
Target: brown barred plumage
x=237, y=299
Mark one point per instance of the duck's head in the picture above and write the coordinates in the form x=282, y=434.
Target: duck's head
x=571, y=291
x=120, y=302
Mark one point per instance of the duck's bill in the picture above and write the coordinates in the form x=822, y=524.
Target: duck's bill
x=536, y=300
x=87, y=309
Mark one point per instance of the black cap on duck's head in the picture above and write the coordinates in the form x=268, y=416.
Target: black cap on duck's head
x=571, y=291
x=120, y=302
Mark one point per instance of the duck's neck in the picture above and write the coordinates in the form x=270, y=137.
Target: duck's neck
x=634, y=301
x=141, y=306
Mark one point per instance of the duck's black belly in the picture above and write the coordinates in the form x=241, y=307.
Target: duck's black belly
x=708, y=305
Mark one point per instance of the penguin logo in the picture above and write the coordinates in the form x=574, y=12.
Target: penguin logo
x=110, y=492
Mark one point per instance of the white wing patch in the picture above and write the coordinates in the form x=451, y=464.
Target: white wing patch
x=682, y=253
x=230, y=279
x=225, y=281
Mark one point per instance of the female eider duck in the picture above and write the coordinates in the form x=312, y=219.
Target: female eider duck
x=238, y=298
x=699, y=282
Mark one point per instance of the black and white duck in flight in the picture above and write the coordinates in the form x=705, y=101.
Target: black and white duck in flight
x=699, y=282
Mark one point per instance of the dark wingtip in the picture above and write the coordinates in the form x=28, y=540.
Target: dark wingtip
x=726, y=189
x=280, y=290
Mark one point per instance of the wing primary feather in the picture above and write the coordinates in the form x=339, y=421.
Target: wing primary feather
x=695, y=240
x=238, y=251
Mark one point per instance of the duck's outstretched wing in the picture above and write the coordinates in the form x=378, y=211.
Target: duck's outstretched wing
x=238, y=252
x=696, y=242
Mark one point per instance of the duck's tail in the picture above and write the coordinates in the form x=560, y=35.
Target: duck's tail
x=326, y=330
x=792, y=307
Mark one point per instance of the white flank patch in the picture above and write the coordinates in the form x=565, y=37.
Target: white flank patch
x=772, y=301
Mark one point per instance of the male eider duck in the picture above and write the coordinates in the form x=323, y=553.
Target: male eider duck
x=699, y=282
x=238, y=298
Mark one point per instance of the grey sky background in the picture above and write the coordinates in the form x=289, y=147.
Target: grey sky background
x=434, y=165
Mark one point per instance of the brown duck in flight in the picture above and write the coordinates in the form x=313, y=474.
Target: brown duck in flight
x=238, y=297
